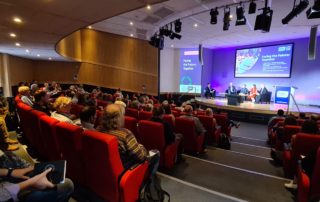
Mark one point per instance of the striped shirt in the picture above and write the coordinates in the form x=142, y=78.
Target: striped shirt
x=130, y=150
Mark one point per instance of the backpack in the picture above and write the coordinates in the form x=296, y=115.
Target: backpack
x=224, y=142
x=151, y=191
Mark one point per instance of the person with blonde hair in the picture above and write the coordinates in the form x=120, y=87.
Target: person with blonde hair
x=62, y=105
x=26, y=98
x=209, y=113
x=131, y=152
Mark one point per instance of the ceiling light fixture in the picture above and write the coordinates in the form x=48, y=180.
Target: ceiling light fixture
x=18, y=44
x=131, y=23
x=195, y=25
x=314, y=11
x=252, y=7
x=172, y=45
x=38, y=55
x=49, y=58
x=89, y=27
x=214, y=16
x=177, y=26
x=295, y=11
x=148, y=7
x=226, y=19
x=17, y=20
x=157, y=41
x=131, y=35
x=27, y=50
x=13, y=35
x=263, y=21
x=241, y=19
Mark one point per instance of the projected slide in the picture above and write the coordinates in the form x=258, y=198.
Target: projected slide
x=269, y=61
x=190, y=71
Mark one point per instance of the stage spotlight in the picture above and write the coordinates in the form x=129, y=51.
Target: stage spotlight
x=314, y=11
x=175, y=35
x=295, y=11
x=252, y=7
x=226, y=19
x=177, y=26
x=263, y=21
x=214, y=16
x=241, y=19
x=157, y=41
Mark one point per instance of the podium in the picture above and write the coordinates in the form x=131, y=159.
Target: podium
x=285, y=95
x=234, y=99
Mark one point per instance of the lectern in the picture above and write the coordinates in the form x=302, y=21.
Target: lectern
x=285, y=95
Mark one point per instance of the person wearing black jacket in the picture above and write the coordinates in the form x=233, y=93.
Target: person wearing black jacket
x=41, y=102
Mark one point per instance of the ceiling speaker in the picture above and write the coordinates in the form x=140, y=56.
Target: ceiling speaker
x=313, y=43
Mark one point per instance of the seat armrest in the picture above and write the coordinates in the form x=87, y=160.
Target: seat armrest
x=131, y=182
x=288, y=167
x=171, y=154
x=303, y=186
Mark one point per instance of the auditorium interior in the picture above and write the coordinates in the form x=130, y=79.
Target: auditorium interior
x=160, y=100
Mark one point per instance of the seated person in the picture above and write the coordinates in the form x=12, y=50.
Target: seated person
x=280, y=114
x=6, y=144
x=209, y=113
x=232, y=89
x=167, y=110
x=87, y=117
x=302, y=115
x=244, y=90
x=37, y=188
x=131, y=152
x=263, y=91
x=253, y=93
x=26, y=98
x=209, y=92
x=189, y=115
x=148, y=108
x=230, y=123
x=62, y=106
x=41, y=102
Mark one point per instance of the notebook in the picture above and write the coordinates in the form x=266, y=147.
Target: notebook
x=58, y=173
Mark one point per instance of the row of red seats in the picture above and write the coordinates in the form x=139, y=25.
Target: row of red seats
x=93, y=158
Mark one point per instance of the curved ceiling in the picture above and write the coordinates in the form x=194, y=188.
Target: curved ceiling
x=45, y=22
x=146, y=22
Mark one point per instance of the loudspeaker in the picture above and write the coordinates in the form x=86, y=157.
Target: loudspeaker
x=313, y=43
x=200, y=54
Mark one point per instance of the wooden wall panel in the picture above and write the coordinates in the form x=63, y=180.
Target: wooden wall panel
x=70, y=47
x=20, y=70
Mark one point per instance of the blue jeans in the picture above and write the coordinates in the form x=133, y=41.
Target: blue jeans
x=61, y=193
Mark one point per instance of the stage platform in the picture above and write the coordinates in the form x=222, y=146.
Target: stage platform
x=253, y=112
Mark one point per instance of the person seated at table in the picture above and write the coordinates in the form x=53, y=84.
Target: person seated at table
x=209, y=92
x=263, y=91
x=244, y=90
x=253, y=93
x=232, y=89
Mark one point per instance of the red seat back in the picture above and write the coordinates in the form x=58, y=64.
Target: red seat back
x=102, y=164
x=303, y=144
x=102, y=103
x=300, y=121
x=70, y=142
x=169, y=119
x=207, y=123
x=152, y=135
x=143, y=115
x=288, y=131
x=50, y=142
x=131, y=123
x=36, y=135
x=315, y=180
x=132, y=113
x=76, y=109
x=24, y=121
x=222, y=121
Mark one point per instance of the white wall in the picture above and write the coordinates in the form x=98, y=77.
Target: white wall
x=169, y=70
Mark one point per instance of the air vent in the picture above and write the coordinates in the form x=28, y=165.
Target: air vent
x=142, y=33
x=150, y=20
x=163, y=12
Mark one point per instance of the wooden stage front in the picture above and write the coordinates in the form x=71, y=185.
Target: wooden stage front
x=253, y=112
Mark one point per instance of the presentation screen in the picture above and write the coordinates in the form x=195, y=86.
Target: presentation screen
x=269, y=61
x=190, y=71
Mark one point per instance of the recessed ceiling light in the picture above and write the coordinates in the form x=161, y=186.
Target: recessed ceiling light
x=13, y=35
x=148, y=7
x=38, y=55
x=131, y=35
x=50, y=58
x=17, y=20
x=195, y=25
x=27, y=50
x=18, y=44
x=172, y=45
x=231, y=16
x=89, y=27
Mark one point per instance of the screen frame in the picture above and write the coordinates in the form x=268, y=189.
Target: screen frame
x=281, y=44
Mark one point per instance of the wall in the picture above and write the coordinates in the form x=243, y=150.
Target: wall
x=169, y=70
x=113, y=61
x=305, y=74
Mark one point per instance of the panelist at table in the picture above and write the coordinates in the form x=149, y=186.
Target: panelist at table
x=232, y=89
x=244, y=90
x=262, y=92
x=209, y=92
x=253, y=93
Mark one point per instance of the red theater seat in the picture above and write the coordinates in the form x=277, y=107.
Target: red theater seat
x=284, y=135
x=272, y=124
x=102, y=103
x=143, y=115
x=36, y=135
x=76, y=109
x=213, y=134
x=104, y=172
x=169, y=120
x=50, y=142
x=222, y=121
x=176, y=113
x=23, y=112
x=302, y=144
x=153, y=137
x=131, y=123
x=309, y=189
x=98, y=118
x=192, y=142
x=70, y=139
x=132, y=113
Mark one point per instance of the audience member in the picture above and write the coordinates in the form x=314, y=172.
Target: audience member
x=209, y=113
x=280, y=114
x=26, y=98
x=131, y=152
x=302, y=115
x=148, y=108
x=41, y=101
x=189, y=115
x=62, y=106
x=167, y=110
x=310, y=126
x=87, y=117
x=135, y=104
x=6, y=143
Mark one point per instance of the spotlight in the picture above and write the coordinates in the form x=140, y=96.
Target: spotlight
x=241, y=19
x=314, y=11
x=263, y=21
x=295, y=11
x=226, y=19
x=252, y=7
x=214, y=16
x=177, y=26
x=175, y=35
x=157, y=41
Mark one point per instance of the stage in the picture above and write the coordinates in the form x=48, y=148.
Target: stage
x=253, y=112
